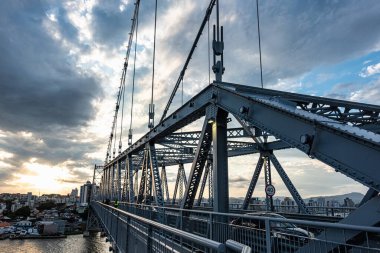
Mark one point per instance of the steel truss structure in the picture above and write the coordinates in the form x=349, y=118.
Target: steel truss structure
x=342, y=134
x=339, y=133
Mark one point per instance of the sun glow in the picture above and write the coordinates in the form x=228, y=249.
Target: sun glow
x=43, y=178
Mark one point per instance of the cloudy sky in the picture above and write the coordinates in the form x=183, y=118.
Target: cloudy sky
x=61, y=63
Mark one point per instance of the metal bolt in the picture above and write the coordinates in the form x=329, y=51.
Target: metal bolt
x=244, y=110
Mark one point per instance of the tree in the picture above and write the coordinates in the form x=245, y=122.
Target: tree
x=23, y=211
x=46, y=205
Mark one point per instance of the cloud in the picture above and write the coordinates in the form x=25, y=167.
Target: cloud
x=61, y=66
x=370, y=70
x=357, y=93
x=370, y=95
x=40, y=91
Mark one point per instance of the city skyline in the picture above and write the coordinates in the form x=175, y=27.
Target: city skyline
x=62, y=63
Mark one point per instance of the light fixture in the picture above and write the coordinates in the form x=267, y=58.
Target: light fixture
x=211, y=120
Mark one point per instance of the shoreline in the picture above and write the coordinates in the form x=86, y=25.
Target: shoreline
x=38, y=237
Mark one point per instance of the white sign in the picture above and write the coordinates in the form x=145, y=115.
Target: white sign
x=270, y=190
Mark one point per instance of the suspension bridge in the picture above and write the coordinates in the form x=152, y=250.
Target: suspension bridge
x=131, y=201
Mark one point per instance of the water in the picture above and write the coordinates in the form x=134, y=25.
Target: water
x=71, y=244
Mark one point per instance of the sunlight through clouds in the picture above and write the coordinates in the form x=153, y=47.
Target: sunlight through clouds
x=57, y=103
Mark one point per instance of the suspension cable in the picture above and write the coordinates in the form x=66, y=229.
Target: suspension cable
x=122, y=118
x=114, y=143
x=151, y=106
x=258, y=33
x=208, y=43
x=182, y=73
x=122, y=83
x=154, y=48
x=133, y=83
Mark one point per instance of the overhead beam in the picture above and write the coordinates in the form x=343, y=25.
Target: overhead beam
x=352, y=151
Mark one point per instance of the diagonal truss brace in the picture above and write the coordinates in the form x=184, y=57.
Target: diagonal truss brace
x=143, y=179
x=129, y=172
x=164, y=184
x=180, y=182
x=268, y=181
x=155, y=174
x=292, y=189
x=197, y=167
x=207, y=173
x=253, y=183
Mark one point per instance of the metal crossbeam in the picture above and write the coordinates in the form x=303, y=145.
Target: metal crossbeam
x=354, y=151
x=204, y=181
x=342, y=143
x=164, y=183
x=155, y=175
x=352, y=113
x=253, y=182
x=268, y=181
x=169, y=157
x=180, y=182
x=144, y=175
x=198, y=165
x=292, y=189
x=148, y=180
x=130, y=169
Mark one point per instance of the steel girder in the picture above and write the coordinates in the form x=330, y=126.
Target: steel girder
x=204, y=181
x=191, y=138
x=180, y=182
x=148, y=180
x=118, y=194
x=164, y=184
x=155, y=174
x=339, y=141
x=288, y=183
x=220, y=161
x=203, y=150
x=351, y=150
x=352, y=113
x=97, y=181
x=268, y=181
x=130, y=169
x=125, y=187
x=136, y=184
x=253, y=182
x=169, y=157
x=144, y=175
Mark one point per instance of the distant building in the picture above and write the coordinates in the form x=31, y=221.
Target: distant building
x=348, y=202
x=277, y=202
x=321, y=202
x=74, y=193
x=85, y=192
x=24, y=223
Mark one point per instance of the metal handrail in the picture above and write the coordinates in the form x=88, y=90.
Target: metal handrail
x=237, y=246
x=220, y=247
x=301, y=222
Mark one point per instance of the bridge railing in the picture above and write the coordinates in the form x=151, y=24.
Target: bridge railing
x=265, y=232
x=129, y=232
x=314, y=210
x=329, y=211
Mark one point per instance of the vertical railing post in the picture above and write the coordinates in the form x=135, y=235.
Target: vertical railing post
x=267, y=236
x=127, y=233
x=149, y=239
x=180, y=219
x=211, y=225
x=117, y=228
